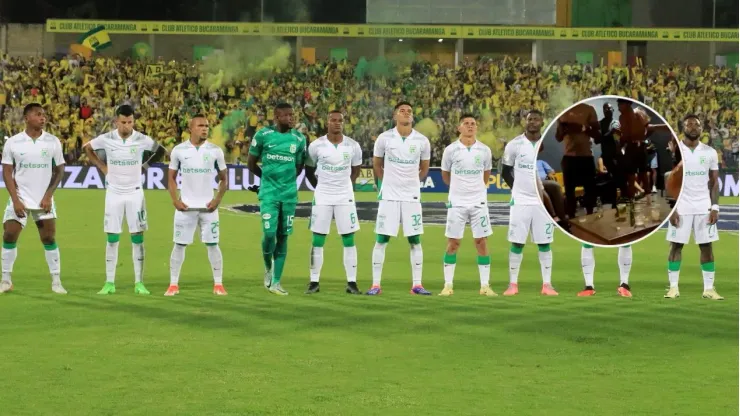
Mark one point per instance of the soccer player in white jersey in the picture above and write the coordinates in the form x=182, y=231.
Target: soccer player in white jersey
x=400, y=160
x=466, y=167
x=588, y=265
x=697, y=208
x=124, y=196
x=526, y=213
x=198, y=162
x=332, y=167
x=33, y=167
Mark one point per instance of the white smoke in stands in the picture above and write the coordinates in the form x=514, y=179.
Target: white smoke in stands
x=561, y=97
x=243, y=59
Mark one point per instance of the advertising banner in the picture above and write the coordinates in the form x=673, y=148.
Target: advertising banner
x=392, y=31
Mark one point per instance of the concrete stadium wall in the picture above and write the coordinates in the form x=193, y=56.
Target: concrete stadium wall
x=33, y=40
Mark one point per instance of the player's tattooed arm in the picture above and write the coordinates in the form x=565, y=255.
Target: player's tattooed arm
x=311, y=175
x=156, y=156
x=223, y=185
x=355, y=173
x=378, y=163
x=508, y=174
x=713, y=184
x=56, y=178
x=172, y=189
x=253, y=166
x=423, y=169
x=446, y=177
x=94, y=159
x=18, y=207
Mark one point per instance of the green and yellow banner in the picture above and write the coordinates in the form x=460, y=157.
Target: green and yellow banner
x=391, y=31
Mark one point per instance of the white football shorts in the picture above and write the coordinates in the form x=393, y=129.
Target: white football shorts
x=477, y=216
x=524, y=219
x=35, y=214
x=344, y=215
x=131, y=206
x=699, y=224
x=187, y=221
x=391, y=214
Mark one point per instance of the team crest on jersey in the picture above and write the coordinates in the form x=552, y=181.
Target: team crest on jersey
x=412, y=148
x=44, y=152
x=346, y=157
x=477, y=160
x=206, y=158
x=702, y=160
x=293, y=148
x=134, y=150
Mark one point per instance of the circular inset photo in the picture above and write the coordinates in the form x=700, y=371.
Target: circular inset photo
x=605, y=164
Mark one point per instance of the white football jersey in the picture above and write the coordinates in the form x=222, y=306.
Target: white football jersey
x=333, y=168
x=694, y=198
x=198, y=168
x=33, y=161
x=402, y=156
x=123, y=158
x=466, y=166
x=521, y=154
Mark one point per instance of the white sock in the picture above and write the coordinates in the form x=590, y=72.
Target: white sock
x=484, y=270
x=588, y=264
x=137, y=251
x=673, y=278
x=515, y=260
x=546, y=266
x=317, y=260
x=708, y=280
x=216, y=258
x=177, y=258
x=111, y=261
x=9, y=255
x=625, y=264
x=449, y=273
x=350, y=263
x=378, y=260
x=417, y=262
x=54, y=262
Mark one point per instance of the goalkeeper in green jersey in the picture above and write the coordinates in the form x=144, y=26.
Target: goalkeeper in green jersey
x=282, y=151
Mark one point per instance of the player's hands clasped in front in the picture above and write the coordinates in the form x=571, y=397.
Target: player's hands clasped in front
x=45, y=204
x=674, y=219
x=180, y=206
x=213, y=205
x=19, y=208
x=713, y=217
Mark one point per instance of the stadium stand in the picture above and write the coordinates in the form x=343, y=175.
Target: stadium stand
x=81, y=95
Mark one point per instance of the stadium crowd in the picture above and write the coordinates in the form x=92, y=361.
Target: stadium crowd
x=81, y=95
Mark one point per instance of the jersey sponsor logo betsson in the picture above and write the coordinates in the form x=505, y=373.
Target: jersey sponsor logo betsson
x=695, y=173
x=116, y=162
x=467, y=172
x=402, y=161
x=196, y=170
x=528, y=166
x=34, y=165
x=280, y=158
x=330, y=168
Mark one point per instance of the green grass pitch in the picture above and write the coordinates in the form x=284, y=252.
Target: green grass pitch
x=254, y=353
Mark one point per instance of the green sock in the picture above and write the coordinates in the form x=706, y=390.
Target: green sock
x=268, y=249
x=281, y=253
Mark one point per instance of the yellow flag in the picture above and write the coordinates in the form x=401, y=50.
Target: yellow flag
x=96, y=39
